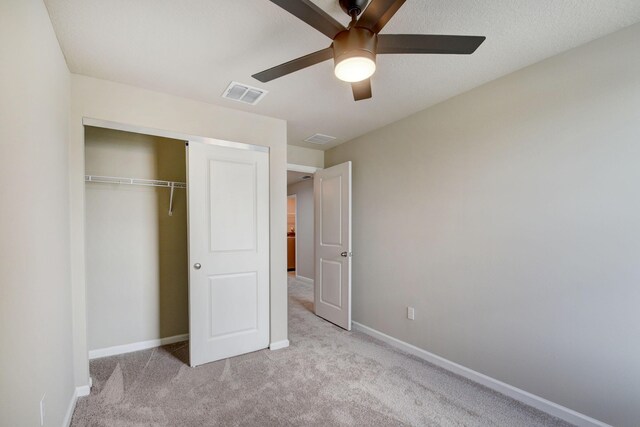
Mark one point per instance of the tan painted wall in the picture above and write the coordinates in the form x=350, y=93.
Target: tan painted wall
x=120, y=103
x=305, y=156
x=509, y=218
x=35, y=293
x=136, y=254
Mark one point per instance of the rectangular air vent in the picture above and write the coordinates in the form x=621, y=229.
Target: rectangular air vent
x=319, y=138
x=244, y=93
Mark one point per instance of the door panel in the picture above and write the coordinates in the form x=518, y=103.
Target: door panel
x=332, y=193
x=228, y=200
x=331, y=273
x=233, y=185
x=226, y=292
x=331, y=189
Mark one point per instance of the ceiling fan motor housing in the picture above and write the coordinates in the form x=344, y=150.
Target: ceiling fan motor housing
x=353, y=6
x=355, y=42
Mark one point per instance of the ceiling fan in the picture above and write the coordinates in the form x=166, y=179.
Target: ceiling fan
x=354, y=49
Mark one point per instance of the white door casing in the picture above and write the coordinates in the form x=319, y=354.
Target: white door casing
x=228, y=211
x=332, y=194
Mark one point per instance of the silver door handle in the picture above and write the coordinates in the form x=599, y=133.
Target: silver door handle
x=197, y=266
x=345, y=254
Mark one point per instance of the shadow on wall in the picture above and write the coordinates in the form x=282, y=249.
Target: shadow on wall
x=172, y=240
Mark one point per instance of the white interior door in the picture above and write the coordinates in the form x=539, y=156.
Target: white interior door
x=228, y=201
x=332, y=193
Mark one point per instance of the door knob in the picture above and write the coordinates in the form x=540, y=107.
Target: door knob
x=197, y=266
x=344, y=254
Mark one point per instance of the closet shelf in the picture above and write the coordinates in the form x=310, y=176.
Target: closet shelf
x=134, y=181
x=139, y=181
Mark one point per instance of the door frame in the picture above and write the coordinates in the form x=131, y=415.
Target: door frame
x=107, y=124
x=302, y=168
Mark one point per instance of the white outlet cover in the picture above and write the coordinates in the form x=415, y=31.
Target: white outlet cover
x=411, y=314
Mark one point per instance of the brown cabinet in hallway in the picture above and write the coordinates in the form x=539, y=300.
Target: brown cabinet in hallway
x=291, y=253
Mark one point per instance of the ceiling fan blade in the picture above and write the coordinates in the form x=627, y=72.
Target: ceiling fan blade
x=428, y=43
x=378, y=13
x=308, y=12
x=294, y=65
x=361, y=90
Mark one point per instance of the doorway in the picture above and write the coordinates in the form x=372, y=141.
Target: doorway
x=300, y=227
x=319, y=236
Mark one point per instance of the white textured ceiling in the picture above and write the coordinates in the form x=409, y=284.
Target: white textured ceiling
x=194, y=48
x=294, y=177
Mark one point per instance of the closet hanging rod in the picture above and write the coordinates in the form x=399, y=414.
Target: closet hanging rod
x=139, y=181
x=134, y=181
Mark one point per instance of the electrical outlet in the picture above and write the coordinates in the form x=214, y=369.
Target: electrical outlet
x=42, y=409
x=411, y=314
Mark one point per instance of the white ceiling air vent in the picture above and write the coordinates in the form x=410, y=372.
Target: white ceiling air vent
x=319, y=138
x=244, y=93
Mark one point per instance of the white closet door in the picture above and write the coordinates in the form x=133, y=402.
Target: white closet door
x=228, y=200
x=332, y=194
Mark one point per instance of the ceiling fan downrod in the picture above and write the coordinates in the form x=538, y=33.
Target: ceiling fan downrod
x=353, y=8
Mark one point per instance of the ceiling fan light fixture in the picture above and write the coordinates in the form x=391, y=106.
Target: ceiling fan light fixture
x=355, y=68
x=354, y=53
x=355, y=46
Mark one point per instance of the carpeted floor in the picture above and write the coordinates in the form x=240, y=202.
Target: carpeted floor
x=326, y=377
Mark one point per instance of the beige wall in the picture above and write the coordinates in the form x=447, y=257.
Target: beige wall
x=303, y=190
x=136, y=254
x=35, y=293
x=305, y=156
x=509, y=218
x=120, y=103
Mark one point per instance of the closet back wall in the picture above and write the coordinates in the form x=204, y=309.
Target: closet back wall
x=136, y=253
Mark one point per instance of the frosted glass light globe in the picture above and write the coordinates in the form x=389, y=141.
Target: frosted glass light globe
x=355, y=69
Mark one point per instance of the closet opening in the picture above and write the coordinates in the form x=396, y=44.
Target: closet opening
x=137, y=278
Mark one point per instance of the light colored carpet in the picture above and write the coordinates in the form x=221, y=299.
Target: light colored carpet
x=326, y=377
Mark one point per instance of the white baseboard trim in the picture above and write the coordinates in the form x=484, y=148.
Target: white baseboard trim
x=80, y=391
x=278, y=345
x=72, y=405
x=83, y=390
x=304, y=280
x=136, y=346
x=525, y=397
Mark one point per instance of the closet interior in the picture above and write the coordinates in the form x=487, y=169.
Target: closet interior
x=136, y=240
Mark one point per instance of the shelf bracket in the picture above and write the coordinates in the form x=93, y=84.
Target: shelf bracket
x=171, y=199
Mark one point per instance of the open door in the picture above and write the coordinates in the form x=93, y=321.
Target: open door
x=228, y=206
x=332, y=194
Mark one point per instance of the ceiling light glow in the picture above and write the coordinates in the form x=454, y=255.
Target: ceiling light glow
x=355, y=69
